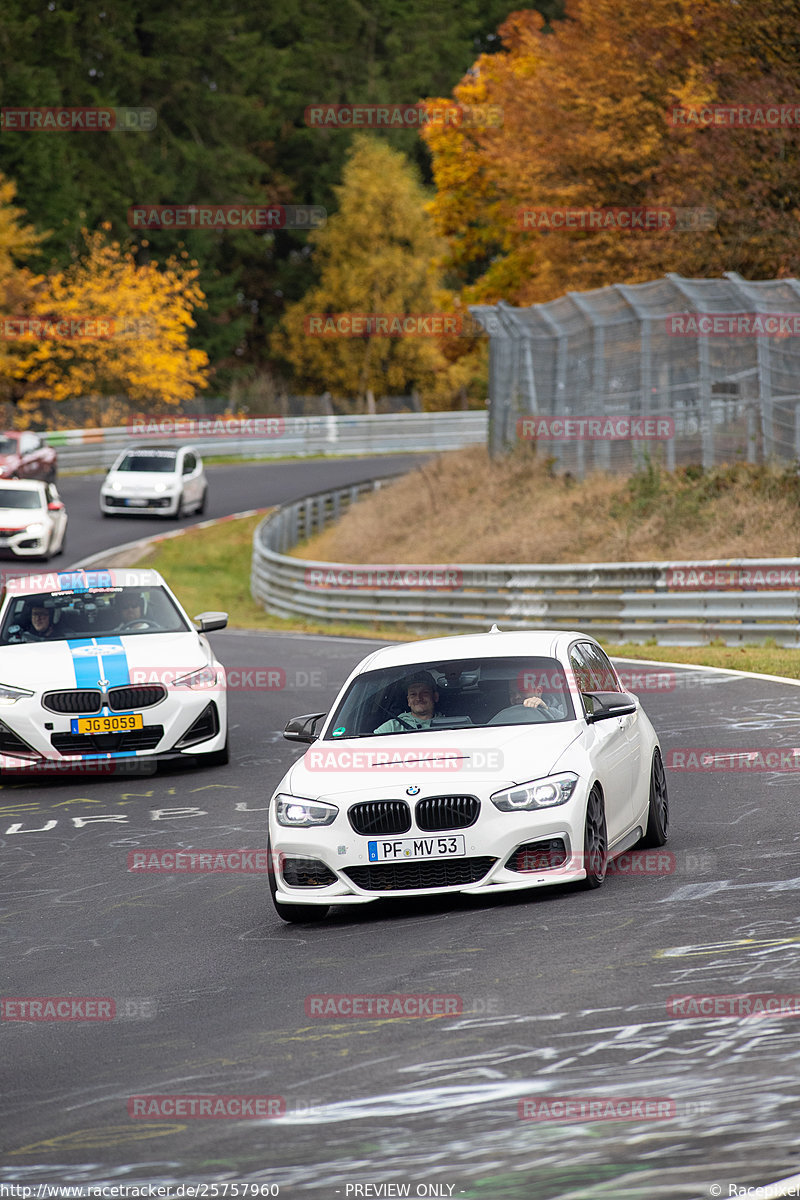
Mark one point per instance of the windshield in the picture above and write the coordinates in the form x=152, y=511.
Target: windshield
x=453, y=695
x=149, y=460
x=94, y=613
x=8, y=445
x=11, y=498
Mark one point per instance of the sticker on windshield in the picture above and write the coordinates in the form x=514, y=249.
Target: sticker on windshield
x=338, y=732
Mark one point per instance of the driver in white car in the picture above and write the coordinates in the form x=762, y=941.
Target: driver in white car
x=130, y=606
x=422, y=698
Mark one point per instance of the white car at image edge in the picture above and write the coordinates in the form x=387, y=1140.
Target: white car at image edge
x=167, y=480
x=101, y=667
x=480, y=764
x=33, y=519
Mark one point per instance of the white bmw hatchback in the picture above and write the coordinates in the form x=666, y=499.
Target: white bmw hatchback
x=479, y=764
x=167, y=480
x=99, y=668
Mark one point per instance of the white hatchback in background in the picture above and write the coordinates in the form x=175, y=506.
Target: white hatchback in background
x=167, y=480
x=33, y=519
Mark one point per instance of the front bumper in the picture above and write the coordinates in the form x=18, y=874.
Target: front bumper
x=492, y=844
x=32, y=737
x=139, y=502
x=24, y=544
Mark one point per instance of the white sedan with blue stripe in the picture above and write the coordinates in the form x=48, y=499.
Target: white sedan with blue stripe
x=100, y=667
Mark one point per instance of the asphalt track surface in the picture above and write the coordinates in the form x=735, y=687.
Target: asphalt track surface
x=564, y=992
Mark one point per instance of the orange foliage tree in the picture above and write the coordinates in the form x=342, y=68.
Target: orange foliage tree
x=588, y=124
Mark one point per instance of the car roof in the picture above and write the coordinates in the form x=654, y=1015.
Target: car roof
x=147, y=447
x=82, y=581
x=23, y=485
x=518, y=643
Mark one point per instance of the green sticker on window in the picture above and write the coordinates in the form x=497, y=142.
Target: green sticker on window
x=338, y=732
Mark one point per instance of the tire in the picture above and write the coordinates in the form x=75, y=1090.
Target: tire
x=293, y=914
x=658, y=810
x=595, y=840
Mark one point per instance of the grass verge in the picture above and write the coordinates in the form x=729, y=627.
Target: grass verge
x=210, y=569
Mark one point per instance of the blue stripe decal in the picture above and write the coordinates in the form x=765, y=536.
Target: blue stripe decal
x=94, y=659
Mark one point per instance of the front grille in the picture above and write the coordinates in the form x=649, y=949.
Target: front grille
x=380, y=816
x=119, y=699
x=72, y=702
x=120, y=502
x=143, y=695
x=447, y=812
x=307, y=872
x=11, y=532
x=108, y=743
x=399, y=877
x=538, y=856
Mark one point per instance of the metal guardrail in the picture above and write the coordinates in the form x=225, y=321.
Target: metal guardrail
x=335, y=435
x=613, y=601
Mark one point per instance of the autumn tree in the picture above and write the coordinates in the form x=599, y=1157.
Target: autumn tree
x=376, y=255
x=110, y=327
x=587, y=125
x=18, y=242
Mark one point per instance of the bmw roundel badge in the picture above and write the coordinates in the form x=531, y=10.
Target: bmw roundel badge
x=413, y=790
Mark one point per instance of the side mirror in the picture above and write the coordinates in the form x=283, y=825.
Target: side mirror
x=303, y=729
x=207, y=622
x=603, y=705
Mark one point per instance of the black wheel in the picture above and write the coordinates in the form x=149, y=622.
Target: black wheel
x=595, y=840
x=658, y=812
x=293, y=914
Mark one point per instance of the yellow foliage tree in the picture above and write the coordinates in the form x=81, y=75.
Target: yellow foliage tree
x=17, y=242
x=378, y=254
x=111, y=327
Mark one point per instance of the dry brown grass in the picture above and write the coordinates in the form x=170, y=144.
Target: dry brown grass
x=463, y=507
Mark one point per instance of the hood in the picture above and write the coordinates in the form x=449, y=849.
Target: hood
x=20, y=518
x=501, y=755
x=82, y=662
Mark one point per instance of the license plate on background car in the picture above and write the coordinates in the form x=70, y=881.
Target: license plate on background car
x=398, y=849
x=117, y=723
x=137, y=503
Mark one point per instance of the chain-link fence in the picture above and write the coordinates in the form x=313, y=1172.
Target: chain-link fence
x=685, y=370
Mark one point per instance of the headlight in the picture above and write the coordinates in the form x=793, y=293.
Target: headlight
x=540, y=793
x=204, y=678
x=165, y=487
x=36, y=528
x=292, y=811
x=115, y=485
x=10, y=695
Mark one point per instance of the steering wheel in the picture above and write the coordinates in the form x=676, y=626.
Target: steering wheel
x=142, y=623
